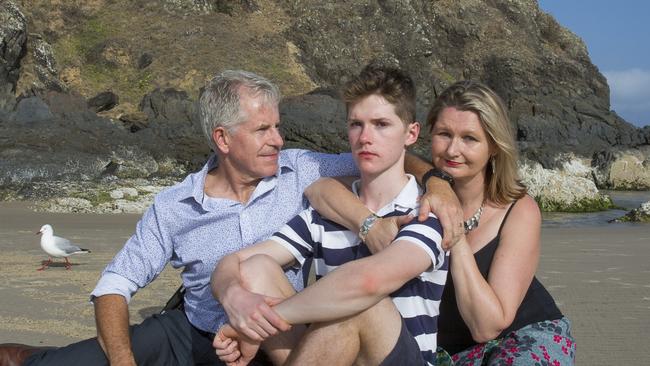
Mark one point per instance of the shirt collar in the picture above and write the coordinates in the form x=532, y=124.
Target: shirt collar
x=197, y=180
x=405, y=200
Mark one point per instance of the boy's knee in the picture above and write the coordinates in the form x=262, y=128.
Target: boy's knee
x=257, y=270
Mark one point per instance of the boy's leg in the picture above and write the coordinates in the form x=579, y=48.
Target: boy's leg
x=262, y=275
x=363, y=339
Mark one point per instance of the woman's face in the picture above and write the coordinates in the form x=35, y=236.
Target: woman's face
x=459, y=144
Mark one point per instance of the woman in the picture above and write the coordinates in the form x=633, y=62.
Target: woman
x=493, y=311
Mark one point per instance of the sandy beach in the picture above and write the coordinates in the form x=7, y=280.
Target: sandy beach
x=599, y=275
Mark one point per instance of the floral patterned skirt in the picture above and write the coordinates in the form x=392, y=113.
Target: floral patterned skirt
x=547, y=343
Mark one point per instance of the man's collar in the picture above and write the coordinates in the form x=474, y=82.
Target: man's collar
x=197, y=180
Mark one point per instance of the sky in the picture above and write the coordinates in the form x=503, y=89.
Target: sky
x=618, y=42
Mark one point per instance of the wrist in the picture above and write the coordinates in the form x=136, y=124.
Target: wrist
x=366, y=225
x=437, y=173
x=124, y=357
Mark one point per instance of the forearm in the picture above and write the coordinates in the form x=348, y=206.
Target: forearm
x=345, y=291
x=333, y=200
x=112, y=320
x=477, y=302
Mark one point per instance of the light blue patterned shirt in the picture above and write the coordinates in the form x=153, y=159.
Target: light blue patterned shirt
x=194, y=231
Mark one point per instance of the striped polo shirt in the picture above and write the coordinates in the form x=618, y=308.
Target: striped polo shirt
x=315, y=240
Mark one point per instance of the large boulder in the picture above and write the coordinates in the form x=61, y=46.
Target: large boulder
x=173, y=129
x=622, y=170
x=640, y=214
x=315, y=121
x=558, y=191
x=53, y=136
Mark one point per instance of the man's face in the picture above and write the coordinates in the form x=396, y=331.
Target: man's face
x=377, y=135
x=255, y=144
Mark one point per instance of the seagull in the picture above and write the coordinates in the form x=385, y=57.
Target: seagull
x=57, y=247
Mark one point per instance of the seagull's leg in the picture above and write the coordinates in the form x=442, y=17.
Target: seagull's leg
x=68, y=265
x=46, y=264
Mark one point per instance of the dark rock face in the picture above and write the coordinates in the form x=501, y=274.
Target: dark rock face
x=44, y=64
x=59, y=139
x=13, y=37
x=557, y=98
x=173, y=127
x=314, y=121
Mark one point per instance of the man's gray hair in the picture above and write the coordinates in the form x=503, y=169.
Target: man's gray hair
x=219, y=102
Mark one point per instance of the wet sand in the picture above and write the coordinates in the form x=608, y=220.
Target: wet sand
x=599, y=275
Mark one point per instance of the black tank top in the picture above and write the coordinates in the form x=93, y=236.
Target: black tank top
x=538, y=305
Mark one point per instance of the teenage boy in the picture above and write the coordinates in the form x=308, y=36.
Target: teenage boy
x=363, y=308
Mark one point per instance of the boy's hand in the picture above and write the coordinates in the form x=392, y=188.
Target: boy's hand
x=251, y=315
x=234, y=349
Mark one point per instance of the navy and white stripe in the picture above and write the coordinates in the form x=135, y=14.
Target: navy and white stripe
x=326, y=245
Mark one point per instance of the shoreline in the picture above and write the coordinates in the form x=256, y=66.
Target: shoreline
x=599, y=276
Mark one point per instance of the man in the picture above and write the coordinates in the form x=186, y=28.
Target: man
x=252, y=191
x=351, y=319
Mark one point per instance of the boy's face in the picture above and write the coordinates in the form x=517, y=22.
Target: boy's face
x=377, y=135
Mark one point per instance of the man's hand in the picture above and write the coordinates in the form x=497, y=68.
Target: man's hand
x=251, y=315
x=442, y=201
x=383, y=232
x=234, y=349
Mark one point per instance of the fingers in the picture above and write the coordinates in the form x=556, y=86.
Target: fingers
x=263, y=325
x=275, y=320
x=227, y=349
x=452, y=227
x=272, y=301
x=404, y=219
x=255, y=333
x=448, y=230
x=423, y=212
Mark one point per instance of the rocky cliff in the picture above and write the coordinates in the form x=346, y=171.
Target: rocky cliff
x=148, y=59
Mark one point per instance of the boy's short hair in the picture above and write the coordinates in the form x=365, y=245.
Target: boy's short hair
x=393, y=84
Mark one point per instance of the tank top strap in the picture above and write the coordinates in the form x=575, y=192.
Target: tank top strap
x=506, y=217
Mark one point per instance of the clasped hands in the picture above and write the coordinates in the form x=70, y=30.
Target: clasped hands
x=252, y=320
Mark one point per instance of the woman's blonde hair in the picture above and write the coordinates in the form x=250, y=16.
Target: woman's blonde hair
x=502, y=179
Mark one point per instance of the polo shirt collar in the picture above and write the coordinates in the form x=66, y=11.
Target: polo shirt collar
x=405, y=200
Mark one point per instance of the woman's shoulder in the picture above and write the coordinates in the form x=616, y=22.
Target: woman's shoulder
x=524, y=211
x=525, y=204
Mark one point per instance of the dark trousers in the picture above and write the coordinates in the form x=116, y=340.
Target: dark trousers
x=162, y=339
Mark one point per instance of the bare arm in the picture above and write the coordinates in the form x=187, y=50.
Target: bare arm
x=112, y=319
x=356, y=286
x=333, y=200
x=440, y=199
x=489, y=307
x=249, y=313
